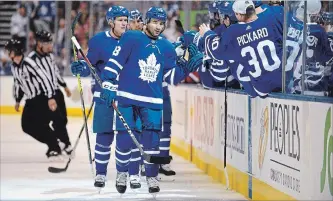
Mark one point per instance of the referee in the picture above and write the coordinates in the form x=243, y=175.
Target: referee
x=43, y=57
x=40, y=103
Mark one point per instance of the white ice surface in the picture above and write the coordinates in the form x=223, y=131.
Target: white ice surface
x=24, y=174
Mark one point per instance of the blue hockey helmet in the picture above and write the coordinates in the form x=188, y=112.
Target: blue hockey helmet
x=225, y=10
x=135, y=14
x=212, y=9
x=257, y=3
x=116, y=11
x=327, y=17
x=156, y=13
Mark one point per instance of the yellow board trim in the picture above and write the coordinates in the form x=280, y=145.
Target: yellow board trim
x=73, y=112
x=238, y=180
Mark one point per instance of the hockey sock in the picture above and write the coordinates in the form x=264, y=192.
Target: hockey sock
x=102, y=152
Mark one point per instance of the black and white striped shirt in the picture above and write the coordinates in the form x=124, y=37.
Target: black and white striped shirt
x=48, y=65
x=29, y=80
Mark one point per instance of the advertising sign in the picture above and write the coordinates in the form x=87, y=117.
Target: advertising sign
x=277, y=137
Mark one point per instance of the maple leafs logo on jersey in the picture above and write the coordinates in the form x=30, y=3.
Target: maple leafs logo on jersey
x=149, y=70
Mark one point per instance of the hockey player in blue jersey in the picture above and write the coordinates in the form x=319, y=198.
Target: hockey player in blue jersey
x=213, y=73
x=318, y=52
x=100, y=49
x=255, y=43
x=141, y=62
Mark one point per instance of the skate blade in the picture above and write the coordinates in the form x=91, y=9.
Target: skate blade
x=154, y=195
x=99, y=190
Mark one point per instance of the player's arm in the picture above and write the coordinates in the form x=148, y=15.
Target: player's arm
x=175, y=72
x=17, y=91
x=80, y=67
x=219, y=70
x=215, y=47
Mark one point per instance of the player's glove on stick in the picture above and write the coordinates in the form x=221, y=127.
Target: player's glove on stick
x=80, y=67
x=109, y=92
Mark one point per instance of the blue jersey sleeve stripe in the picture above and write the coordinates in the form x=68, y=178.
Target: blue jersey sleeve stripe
x=219, y=70
x=217, y=78
x=111, y=70
x=166, y=75
x=117, y=64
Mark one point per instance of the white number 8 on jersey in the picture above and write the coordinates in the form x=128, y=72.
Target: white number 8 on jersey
x=116, y=51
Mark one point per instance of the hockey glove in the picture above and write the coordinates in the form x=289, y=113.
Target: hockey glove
x=109, y=92
x=187, y=38
x=80, y=67
x=196, y=58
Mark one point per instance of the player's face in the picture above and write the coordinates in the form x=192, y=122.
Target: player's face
x=136, y=24
x=155, y=27
x=120, y=24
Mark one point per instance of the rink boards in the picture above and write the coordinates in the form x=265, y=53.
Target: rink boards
x=277, y=148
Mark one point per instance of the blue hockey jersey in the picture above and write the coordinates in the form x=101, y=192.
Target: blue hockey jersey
x=141, y=64
x=100, y=49
x=256, y=46
x=318, y=52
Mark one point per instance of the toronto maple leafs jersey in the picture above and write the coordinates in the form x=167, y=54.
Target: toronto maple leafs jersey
x=142, y=64
x=256, y=46
x=318, y=52
x=100, y=48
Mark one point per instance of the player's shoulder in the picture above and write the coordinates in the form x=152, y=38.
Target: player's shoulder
x=132, y=34
x=165, y=43
x=100, y=36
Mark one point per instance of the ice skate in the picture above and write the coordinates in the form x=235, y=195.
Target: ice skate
x=135, y=182
x=121, y=182
x=166, y=170
x=100, y=182
x=54, y=156
x=153, y=185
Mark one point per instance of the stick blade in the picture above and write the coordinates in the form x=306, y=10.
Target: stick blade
x=56, y=170
x=160, y=160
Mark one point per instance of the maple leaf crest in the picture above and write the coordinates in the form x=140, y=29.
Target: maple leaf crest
x=149, y=69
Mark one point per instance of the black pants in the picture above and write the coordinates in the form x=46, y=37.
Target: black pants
x=59, y=118
x=35, y=121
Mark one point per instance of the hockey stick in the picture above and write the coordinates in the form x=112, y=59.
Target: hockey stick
x=59, y=170
x=147, y=157
x=179, y=26
x=225, y=133
x=81, y=97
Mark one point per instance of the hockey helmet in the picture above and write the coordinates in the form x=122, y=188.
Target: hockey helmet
x=156, y=13
x=43, y=36
x=15, y=45
x=135, y=15
x=116, y=11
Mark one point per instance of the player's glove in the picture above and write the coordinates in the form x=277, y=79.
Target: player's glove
x=187, y=38
x=195, y=58
x=109, y=92
x=80, y=67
